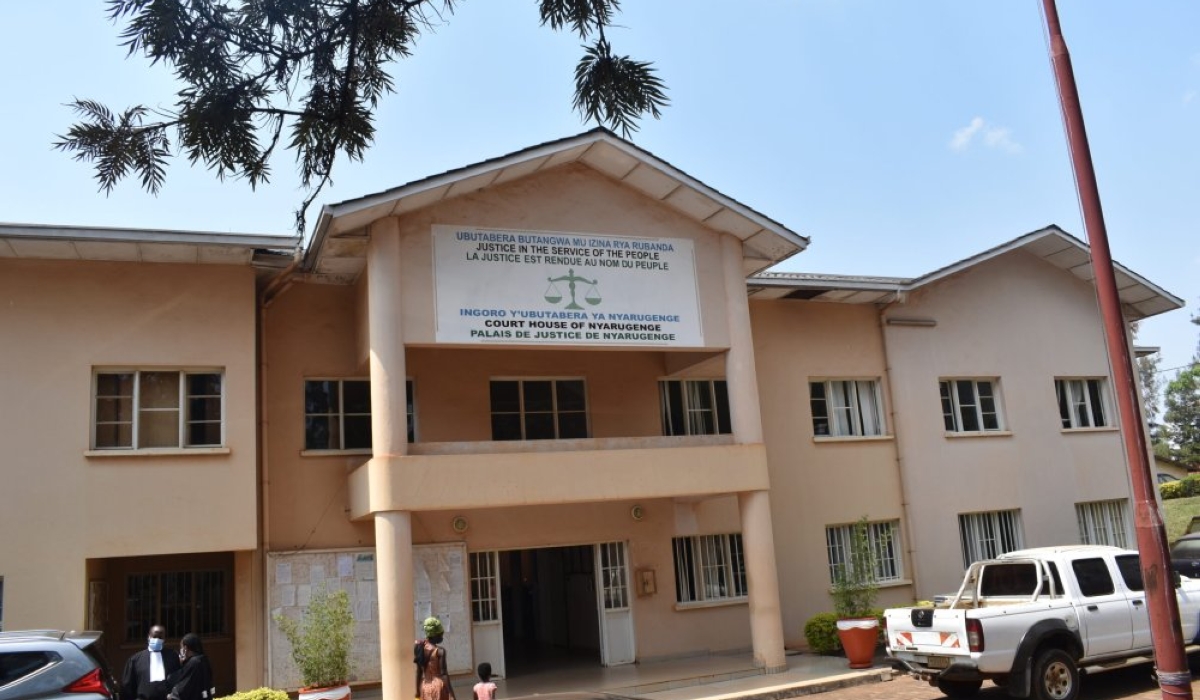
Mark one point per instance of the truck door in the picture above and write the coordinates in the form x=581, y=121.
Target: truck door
x=1131, y=573
x=1104, y=612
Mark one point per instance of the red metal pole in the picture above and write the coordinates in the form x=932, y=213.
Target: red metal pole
x=1174, y=678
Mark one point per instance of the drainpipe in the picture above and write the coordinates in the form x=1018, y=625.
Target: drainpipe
x=909, y=552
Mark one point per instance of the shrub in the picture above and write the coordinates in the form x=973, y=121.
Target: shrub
x=321, y=640
x=257, y=694
x=1184, y=488
x=821, y=634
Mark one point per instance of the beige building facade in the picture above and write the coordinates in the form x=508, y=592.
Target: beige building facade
x=554, y=398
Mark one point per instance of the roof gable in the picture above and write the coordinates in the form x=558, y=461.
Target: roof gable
x=765, y=241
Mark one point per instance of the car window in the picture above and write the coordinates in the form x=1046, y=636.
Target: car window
x=1130, y=567
x=1093, y=577
x=18, y=664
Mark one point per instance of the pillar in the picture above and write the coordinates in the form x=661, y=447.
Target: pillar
x=389, y=443
x=758, y=539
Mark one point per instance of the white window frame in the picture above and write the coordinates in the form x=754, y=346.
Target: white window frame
x=136, y=411
x=688, y=390
x=853, y=407
x=1104, y=522
x=1082, y=398
x=340, y=414
x=948, y=392
x=712, y=570
x=989, y=534
x=883, y=536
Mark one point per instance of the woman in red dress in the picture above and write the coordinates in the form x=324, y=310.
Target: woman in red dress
x=433, y=681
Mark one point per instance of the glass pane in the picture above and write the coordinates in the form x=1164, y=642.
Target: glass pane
x=356, y=396
x=321, y=433
x=114, y=435
x=539, y=396
x=506, y=426
x=358, y=432
x=571, y=396
x=673, y=421
x=204, y=409
x=724, y=422
x=1097, y=402
x=572, y=425
x=158, y=429
x=506, y=398
x=539, y=426
x=320, y=397
x=114, y=384
x=1064, y=407
x=204, y=384
x=114, y=410
x=159, y=390
x=206, y=434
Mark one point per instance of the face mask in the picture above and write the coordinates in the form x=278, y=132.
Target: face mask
x=155, y=644
x=182, y=655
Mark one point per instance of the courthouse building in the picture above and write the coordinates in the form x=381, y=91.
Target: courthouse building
x=556, y=398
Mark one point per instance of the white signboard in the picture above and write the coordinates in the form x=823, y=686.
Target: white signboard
x=548, y=288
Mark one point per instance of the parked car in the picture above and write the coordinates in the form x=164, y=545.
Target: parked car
x=1185, y=555
x=48, y=664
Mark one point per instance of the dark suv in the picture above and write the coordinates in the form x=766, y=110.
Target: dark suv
x=54, y=665
x=1185, y=555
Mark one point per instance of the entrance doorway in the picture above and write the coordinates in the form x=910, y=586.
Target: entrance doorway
x=551, y=607
x=549, y=601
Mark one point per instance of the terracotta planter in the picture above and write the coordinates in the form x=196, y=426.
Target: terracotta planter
x=859, y=636
x=336, y=692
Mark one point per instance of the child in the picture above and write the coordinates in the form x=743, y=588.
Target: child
x=485, y=689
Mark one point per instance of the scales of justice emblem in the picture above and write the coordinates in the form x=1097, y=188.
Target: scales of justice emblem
x=554, y=294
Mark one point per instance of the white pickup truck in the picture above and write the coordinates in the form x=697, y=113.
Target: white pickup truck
x=1031, y=620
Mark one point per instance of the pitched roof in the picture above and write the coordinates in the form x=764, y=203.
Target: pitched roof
x=1140, y=297
x=765, y=241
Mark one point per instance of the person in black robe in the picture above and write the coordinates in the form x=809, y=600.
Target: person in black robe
x=194, y=680
x=148, y=673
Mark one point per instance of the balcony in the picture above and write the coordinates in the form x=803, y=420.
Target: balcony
x=462, y=475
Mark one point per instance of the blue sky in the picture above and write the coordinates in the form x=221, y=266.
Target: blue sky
x=900, y=137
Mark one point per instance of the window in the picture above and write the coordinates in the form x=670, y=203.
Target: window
x=614, y=586
x=883, y=538
x=844, y=407
x=988, y=535
x=1103, y=522
x=970, y=405
x=709, y=568
x=538, y=409
x=1093, y=577
x=1, y=603
x=485, y=574
x=1081, y=403
x=337, y=414
x=141, y=409
x=1130, y=567
x=694, y=407
x=181, y=601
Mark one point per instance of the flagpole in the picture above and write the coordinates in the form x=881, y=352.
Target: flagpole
x=1174, y=677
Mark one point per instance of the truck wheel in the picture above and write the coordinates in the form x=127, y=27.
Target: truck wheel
x=959, y=689
x=1055, y=676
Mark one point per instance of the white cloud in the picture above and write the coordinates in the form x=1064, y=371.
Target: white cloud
x=990, y=135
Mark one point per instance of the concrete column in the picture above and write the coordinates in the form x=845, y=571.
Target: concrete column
x=389, y=416
x=389, y=441
x=393, y=572
x=758, y=539
x=766, y=618
x=740, y=376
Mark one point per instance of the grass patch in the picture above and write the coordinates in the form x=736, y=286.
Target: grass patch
x=1178, y=513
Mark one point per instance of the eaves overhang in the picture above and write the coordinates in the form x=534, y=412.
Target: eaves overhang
x=1140, y=297
x=337, y=250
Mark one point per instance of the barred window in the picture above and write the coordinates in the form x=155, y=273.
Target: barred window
x=988, y=535
x=883, y=538
x=709, y=568
x=1104, y=522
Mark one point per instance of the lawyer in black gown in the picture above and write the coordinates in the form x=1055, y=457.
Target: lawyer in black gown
x=148, y=673
x=194, y=681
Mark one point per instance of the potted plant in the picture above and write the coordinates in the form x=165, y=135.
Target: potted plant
x=321, y=645
x=855, y=587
